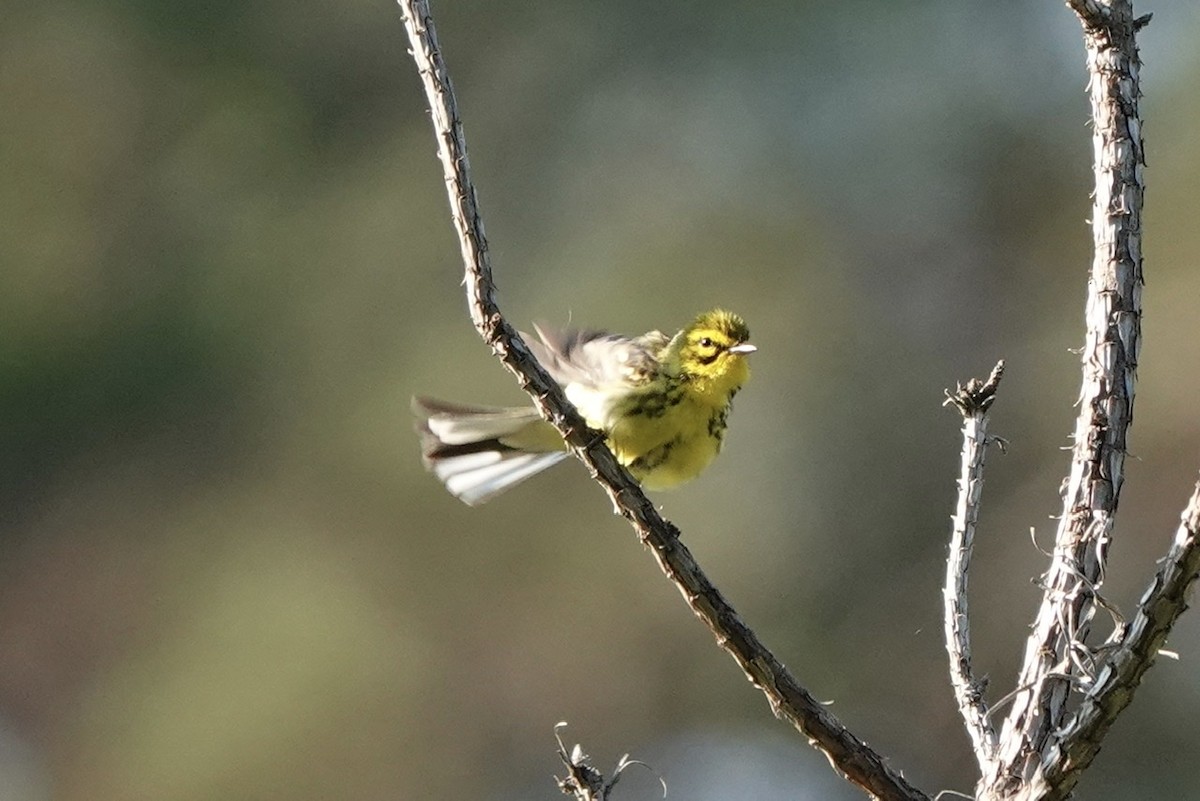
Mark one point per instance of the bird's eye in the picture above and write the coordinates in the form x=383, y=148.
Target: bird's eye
x=706, y=343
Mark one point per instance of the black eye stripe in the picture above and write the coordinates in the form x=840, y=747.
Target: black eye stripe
x=709, y=359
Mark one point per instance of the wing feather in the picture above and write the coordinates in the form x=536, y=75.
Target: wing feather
x=598, y=360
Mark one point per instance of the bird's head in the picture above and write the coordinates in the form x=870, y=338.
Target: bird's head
x=712, y=350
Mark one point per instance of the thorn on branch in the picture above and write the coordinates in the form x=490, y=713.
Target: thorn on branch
x=978, y=688
x=975, y=397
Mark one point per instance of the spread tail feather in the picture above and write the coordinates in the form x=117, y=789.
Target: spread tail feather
x=480, y=451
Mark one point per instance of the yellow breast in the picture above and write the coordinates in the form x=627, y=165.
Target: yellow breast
x=666, y=431
x=668, y=441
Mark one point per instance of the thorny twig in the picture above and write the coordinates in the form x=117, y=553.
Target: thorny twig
x=972, y=401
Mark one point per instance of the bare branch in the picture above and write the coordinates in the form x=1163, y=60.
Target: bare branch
x=1056, y=650
x=1124, y=665
x=849, y=755
x=973, y=402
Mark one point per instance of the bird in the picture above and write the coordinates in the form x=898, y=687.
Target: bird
x=662, y=403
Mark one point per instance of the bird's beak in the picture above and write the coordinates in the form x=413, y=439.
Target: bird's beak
x=745, y=347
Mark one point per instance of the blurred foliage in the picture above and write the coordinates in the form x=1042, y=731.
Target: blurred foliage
x=227, y=264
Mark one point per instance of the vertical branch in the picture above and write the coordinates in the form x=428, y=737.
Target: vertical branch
x=973, y=402
x=1057, y=657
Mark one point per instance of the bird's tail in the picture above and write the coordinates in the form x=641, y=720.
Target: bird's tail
x=480, y=451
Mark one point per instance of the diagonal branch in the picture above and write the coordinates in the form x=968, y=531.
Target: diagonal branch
x=973, y=401
x=848, y=755
x=1056, y=656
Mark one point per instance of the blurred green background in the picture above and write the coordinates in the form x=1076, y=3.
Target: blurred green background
x=226, y=264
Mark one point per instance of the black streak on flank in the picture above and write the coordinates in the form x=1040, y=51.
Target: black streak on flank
x=654, y=458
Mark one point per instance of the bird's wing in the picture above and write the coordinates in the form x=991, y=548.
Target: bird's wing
x=596, y=359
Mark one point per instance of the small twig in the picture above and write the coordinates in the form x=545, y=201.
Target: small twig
x=954, y=793
x=583, y=780
x=1006, y=698
x=848, y=755
x=973, y=402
